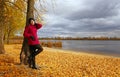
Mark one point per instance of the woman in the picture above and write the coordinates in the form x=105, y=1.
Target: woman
x=30, y=33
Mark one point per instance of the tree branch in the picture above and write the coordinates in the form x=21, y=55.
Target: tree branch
x=16, y=6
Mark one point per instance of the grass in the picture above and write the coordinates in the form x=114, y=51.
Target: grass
x=59, y=63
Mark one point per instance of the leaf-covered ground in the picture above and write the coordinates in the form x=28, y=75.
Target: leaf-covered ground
x=59, y=63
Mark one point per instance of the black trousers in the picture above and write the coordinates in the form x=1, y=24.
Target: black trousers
x=34, y=50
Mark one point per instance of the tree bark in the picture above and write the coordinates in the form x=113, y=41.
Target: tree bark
x=8, y=36
x=2, y=22
x=25, y=48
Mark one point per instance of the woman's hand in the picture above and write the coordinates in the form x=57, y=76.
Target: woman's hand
x=32, y=37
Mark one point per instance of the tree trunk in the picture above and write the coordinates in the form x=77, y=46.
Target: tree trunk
x=8, y=36
x=2, y=22
x=25, y=48
x=2, y=50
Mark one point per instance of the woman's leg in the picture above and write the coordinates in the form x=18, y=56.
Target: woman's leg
x=34, y=50
x=30, y=58
x=34, y=64
x=38, y=49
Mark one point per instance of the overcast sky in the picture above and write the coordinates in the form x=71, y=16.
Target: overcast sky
x=82, y=18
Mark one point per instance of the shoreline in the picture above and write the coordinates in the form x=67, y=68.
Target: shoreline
x=82, y=52
x=78, y=52
x=87, y=52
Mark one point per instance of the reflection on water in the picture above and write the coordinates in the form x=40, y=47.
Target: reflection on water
x=101, y=47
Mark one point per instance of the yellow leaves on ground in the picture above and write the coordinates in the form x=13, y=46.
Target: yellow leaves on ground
x=59, y=63
x=79, y=65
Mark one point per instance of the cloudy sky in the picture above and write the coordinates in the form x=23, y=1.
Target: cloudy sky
x=82, y=18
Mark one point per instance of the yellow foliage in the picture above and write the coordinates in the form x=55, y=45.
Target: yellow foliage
x=59, y=63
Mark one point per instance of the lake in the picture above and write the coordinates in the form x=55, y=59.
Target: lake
x=106, y=47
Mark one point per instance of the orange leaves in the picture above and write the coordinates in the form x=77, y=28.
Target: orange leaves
x=59, y=63
x=69, y=64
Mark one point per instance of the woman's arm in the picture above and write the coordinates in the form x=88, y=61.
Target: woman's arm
x=38, y=25
x=26, y=33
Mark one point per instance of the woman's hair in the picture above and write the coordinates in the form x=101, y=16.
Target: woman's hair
x=31, y=19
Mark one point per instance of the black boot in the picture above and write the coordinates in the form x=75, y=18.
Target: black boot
x=30, y=61
x=34, y=64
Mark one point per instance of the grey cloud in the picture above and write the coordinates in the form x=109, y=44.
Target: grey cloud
x=100, y=9
x=83, y=18
x=99, y=25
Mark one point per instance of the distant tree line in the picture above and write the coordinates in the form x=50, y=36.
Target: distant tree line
x=81, y=38
x=71, y=38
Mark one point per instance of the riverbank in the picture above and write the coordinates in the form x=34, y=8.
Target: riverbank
x=59, y=63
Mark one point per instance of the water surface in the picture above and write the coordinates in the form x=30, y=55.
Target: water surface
x=107, y=47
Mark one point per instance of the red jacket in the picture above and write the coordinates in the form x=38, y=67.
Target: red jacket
x=31, y=30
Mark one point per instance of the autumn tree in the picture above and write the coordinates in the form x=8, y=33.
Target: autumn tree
x=2, y=23
x=5, y=20
x=15, y=18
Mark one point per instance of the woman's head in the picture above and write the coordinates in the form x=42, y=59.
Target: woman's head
x=31, y=21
